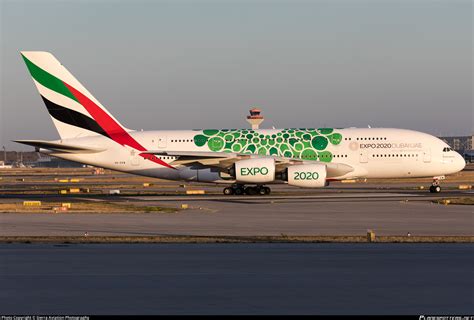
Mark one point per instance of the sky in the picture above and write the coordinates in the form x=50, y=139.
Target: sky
x=202, y=64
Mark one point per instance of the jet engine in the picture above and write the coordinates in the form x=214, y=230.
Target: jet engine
x=307, y=175
x=254, y=170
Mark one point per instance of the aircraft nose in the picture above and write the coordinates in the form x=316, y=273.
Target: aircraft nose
x=459, y=162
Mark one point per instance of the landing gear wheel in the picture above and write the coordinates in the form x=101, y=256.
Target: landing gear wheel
x=267, y=190
x=238, y=191
x=251, y=191
x=228, y=191
x=262, y=191
x=435, y=187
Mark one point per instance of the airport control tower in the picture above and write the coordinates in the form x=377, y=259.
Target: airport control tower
x=255, y=118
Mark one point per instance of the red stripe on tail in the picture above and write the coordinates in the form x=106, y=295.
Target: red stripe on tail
x=113, y=129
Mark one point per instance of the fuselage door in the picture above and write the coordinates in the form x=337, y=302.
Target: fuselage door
x=162, y=142
x=134, y=158
x=363, y=157
x=427, y=155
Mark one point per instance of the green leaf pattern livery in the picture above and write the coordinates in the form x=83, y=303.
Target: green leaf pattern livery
x=307, y=144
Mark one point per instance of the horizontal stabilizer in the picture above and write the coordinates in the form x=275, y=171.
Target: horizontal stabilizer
x=59, y=147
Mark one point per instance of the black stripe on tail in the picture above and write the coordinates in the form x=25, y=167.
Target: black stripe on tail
x=73, y=118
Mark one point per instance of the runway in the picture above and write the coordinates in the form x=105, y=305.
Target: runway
x=256, y=278
x=237, y=279
x=392, y=208
x=354, y=214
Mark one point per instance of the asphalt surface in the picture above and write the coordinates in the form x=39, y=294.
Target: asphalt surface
x=237, y=279
x=329, y=214
x=394, y=208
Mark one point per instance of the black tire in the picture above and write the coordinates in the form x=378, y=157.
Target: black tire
x=228, y=191
x=432, y=189
x=267, y=190
x=251, y=191
x=262, y=191
x=238, y=191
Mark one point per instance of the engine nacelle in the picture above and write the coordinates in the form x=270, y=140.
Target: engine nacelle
x=255, y=170
x=307, y=175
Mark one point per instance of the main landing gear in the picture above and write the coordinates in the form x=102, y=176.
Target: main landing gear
x=239, y=189
x=435, y=187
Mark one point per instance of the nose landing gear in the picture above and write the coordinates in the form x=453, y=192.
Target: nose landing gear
x=238, y=189
x=435, y=187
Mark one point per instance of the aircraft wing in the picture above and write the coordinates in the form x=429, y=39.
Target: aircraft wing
x=214, y=159
x=59, y=147
x=224, y=160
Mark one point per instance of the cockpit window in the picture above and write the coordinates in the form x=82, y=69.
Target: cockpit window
x=447, y=149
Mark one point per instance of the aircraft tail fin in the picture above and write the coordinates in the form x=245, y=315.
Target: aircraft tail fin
x=74, y=111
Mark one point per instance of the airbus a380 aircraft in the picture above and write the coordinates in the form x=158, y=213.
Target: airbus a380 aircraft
x=301, y=157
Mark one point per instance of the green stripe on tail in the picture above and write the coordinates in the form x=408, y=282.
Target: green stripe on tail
x=48, y=80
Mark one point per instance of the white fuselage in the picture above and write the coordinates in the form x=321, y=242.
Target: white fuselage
x=372, y=152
